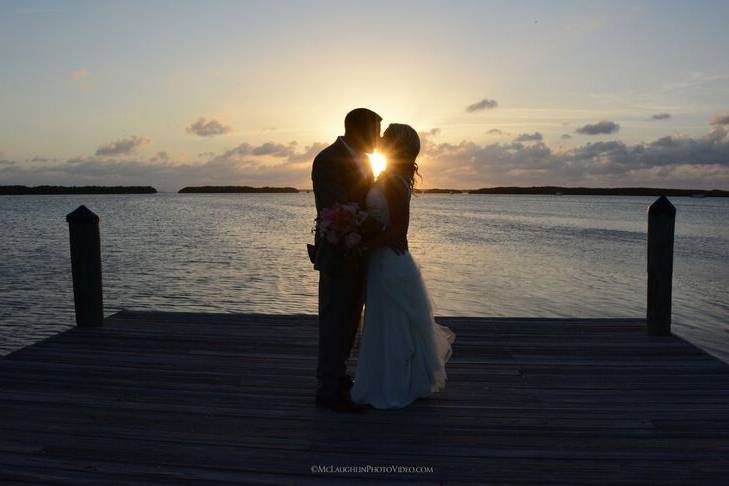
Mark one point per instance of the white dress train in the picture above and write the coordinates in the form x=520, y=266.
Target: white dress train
x=403, y=350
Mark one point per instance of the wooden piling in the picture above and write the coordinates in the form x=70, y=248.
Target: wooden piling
x=83, y=226
x=661, y=223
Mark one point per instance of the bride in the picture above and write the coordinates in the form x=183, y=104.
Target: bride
x=403, y=351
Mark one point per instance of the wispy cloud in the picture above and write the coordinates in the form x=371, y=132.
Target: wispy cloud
x=266, y=149
x=484, y=104
x=160, y=157
x=566, y=136
x=81, y=77
x=428, y=134
x=124, y=146
x=720, y=119
x=208, y=128
x=661, y=116
x=529, y=137
x=38, y=159
x=599, y=128
x=79, y=74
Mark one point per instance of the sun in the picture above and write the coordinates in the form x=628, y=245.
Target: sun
x=378, y=162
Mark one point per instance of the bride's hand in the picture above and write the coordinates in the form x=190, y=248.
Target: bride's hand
x=399, y=246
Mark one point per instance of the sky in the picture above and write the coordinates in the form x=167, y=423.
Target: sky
x=170, y=94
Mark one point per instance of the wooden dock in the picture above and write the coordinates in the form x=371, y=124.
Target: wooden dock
x=172, y=398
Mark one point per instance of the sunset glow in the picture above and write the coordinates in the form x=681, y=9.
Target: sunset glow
x=608, y=94
x=378, y=162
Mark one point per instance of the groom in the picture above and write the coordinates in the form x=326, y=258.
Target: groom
x=341, y=173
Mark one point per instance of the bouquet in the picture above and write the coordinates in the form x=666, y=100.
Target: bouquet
x=342, y=226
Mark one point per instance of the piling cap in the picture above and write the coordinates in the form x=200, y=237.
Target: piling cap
x=662, y=206
x=82, y=215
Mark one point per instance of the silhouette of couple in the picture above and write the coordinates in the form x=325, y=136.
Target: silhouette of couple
x=403, y=351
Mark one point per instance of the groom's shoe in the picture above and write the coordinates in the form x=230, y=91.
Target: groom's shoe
x=340, y=404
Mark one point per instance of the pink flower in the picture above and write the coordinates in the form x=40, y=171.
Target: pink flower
x=340, y=224
x=332, y=238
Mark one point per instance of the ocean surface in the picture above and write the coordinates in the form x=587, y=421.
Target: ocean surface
x=481, y=255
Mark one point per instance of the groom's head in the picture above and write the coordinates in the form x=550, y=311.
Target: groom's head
x=362, y=129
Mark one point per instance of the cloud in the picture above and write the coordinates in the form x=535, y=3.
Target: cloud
x=721, y=119
x=661, y=116
x=672, y=161
x=82, y=78
x=495, y=131
x=238, y=166
x=484, y=104
x=274, y=149
x=208, y=128
x=668, y=161
x=160, y=157
x=307, y=156
x=602, y=127
x=79, y=74
x=124, y=146
x=433, y=132
x=267, y=149
x=529, y=137
x=566, y=136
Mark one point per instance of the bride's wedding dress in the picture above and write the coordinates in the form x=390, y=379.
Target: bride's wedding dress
x=403, y=351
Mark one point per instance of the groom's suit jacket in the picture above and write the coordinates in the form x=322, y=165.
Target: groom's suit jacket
x=337, y=178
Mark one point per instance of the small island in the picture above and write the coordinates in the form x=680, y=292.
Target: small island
x=237, y=190
x=439, y=191
x=40, y=190
x=602, y=191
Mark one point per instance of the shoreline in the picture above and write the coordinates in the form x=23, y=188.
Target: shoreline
x=19, y=190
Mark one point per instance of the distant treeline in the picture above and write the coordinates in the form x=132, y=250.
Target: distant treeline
x=439, y=191
x=237, y=189
x=599, y=191
x=24, y=190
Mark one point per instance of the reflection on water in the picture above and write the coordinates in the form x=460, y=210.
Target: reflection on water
x=539, y=256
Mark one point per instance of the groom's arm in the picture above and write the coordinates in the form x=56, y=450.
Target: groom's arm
x=329, y=189
x=372, y=230
x=328, y=185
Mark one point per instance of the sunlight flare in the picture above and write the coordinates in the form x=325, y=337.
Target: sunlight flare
x=378, y=162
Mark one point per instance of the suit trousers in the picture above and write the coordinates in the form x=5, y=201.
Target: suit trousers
x=341, y=298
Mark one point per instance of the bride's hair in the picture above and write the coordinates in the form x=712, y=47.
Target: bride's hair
x=401, y=145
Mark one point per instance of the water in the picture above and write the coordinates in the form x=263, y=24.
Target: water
x=481, y=255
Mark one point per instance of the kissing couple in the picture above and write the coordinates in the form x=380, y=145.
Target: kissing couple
x=361, y=253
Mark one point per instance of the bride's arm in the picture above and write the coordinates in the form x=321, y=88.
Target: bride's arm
x=398, y=200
